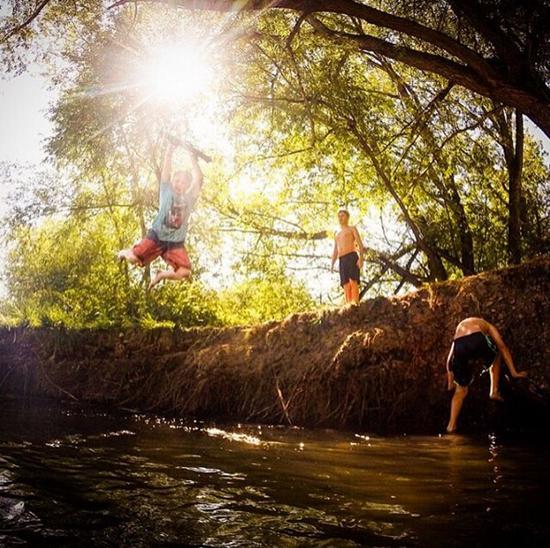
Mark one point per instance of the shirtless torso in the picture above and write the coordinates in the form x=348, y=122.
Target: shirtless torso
x=467, y=347
x=347, y=240
x=472, y=325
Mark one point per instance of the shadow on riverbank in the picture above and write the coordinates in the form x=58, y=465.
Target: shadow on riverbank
x=377, y=367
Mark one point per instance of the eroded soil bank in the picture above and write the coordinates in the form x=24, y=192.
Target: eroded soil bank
x=378, y=367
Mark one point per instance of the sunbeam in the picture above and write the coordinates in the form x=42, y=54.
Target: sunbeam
x=175, y=73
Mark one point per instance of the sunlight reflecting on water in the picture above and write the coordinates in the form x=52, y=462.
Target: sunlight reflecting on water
x=234, y=436
x=83, y=477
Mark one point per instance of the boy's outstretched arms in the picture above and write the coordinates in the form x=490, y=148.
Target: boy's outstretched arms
x=166, y=172
x=196, y=171
x=504, y=351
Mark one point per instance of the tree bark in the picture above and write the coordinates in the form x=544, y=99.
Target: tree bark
x=515, y=193
x=512, y=146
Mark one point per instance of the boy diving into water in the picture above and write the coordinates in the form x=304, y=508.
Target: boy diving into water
x=166, y=238
x=475, y=339
x=348, y=249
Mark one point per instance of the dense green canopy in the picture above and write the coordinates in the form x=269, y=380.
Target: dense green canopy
x=441, y=181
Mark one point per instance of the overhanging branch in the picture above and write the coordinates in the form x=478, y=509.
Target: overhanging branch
x=34, y=14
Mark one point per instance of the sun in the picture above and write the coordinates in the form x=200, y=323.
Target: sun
x=175, y=73
x=178, y=84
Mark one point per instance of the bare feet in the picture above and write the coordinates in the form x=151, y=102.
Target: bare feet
x=520, y=375
x=156, y=280
x=496, y=397
x=451, y=429
x=127, y=255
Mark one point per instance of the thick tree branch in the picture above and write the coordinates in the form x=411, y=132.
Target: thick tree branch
x=503, y=44
x=37, y=11
x=429, y=62
x=391, y=263
x=536, y=106
x=510, y=78
x=350, y=8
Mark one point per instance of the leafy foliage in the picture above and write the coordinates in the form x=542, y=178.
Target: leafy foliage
x=308, y=125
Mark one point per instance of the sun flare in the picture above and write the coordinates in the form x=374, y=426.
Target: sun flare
x=175, y=73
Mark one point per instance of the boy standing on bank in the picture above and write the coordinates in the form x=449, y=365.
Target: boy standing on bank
x=348, y=249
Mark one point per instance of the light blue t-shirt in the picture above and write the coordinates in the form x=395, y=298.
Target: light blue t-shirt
x=172, y=219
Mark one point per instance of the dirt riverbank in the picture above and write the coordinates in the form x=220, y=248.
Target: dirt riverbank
x=379, y=366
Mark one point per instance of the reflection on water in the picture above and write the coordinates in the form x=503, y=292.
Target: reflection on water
x=75, y=477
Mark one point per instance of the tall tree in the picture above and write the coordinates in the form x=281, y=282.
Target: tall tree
x=497, y=48
x=314, y=125
x=423, y=145
x=510, y=135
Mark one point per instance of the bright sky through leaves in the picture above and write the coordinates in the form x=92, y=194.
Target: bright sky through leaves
x=174, y=73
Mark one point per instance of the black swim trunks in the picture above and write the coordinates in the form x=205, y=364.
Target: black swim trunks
x=467, y=351
x=348, y=268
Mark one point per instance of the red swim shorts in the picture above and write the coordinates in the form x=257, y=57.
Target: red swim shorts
x=148, y=250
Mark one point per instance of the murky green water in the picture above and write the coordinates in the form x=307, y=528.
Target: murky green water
x=74, y=477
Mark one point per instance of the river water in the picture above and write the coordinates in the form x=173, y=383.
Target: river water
x=73, y=476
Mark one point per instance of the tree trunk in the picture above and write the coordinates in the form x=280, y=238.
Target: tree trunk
x=515, y=170
x=446, y=186
x=465, y=234
x=435, y=263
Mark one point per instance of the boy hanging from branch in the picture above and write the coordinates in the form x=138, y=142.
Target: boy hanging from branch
x=166, y=238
